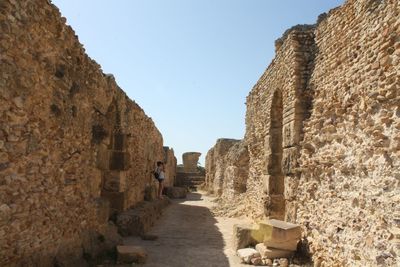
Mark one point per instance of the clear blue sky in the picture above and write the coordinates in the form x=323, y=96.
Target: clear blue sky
x=188, y=63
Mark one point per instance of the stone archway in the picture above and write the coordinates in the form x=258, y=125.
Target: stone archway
x=275, y=207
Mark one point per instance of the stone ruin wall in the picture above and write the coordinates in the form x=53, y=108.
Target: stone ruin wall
x=276, y=107
x=216, y=164
x=190, y=160
x=322, y=131
x=170, y=166
x=349, y=193
x=234, y=182
x=70, y=139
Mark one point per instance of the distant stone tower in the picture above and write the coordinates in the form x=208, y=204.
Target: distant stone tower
x=190, y=160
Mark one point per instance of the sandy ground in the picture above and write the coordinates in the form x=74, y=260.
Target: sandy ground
x=189, y=235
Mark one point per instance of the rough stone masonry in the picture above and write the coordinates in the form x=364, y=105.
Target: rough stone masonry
x=71, y=141
x=323, y=137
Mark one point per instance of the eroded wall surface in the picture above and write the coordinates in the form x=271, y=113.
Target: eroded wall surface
x=69, y=139
x=236, y=171
x=348, y=194
x=216, y=164
x=170, y=166
x=276, y=108
x=190, y=160
x=322, y=129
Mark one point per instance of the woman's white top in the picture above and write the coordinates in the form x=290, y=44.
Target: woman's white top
x=161, y=173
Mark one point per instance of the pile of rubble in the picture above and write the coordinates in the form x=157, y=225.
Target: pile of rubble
x=270, y=243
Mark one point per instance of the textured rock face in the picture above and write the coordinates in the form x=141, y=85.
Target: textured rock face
x=69, y=137
x=322, y=129
x=190, y=160
x=170, y=166
x=236, y=171
x=216, y=164
x=350, y=154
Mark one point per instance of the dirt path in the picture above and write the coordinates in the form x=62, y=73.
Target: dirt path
x=189, y=235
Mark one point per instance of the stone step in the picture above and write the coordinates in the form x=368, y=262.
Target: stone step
x=272, y=253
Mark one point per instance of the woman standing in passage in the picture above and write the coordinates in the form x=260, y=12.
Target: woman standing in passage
x=161, y=176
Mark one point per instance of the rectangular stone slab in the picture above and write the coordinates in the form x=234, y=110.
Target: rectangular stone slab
x=290, y=245
x=272, y=253
x=280, y=230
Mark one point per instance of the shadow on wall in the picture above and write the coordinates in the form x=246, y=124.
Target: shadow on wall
x=187, y=236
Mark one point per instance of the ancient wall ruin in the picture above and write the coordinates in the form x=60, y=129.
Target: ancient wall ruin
x=190, y=160
x=322, y=131
x=215, y=166
x=190, y=174
x=70, y=140
x=170, y=166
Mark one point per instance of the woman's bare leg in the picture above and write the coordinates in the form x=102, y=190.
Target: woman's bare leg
x=160, y=188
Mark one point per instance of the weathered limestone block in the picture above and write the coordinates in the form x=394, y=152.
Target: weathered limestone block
x=291, y=184
x=114, y=181
x=273, y=184
x=170, y=166
x=247, y=254
x=275, y=206
x=103, y=157
x=175, y=192
x=210, y=170
x=273, y=163
x=119, y=161
x=272, y=253
x=280, y=234
x=119, y=142
x=131, y=254
x=289, y=160
x=117, y=200
x=190, y=160
x=292, y=133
